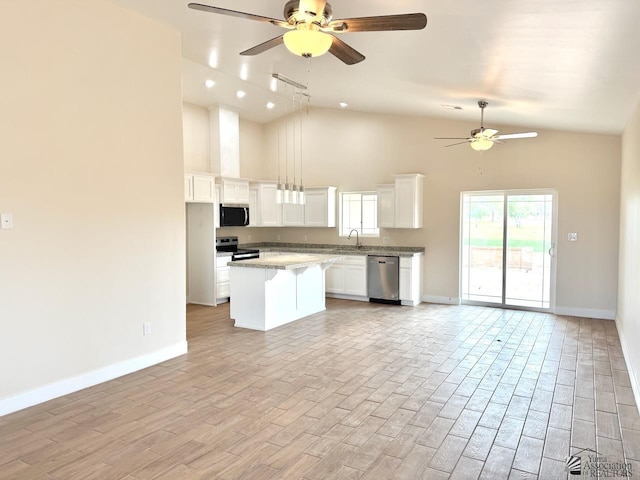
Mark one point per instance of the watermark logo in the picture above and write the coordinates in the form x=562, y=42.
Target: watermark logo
x=588, y=463
x=574, y=465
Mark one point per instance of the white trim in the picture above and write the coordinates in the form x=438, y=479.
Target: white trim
x=346, y=297
x=586, y=312
x=89, y=379
x=441, y=300
x=203, y=304
x=633, y=379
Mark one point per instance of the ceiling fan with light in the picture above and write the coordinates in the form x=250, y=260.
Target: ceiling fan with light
x=311, y=28
x=482, y=139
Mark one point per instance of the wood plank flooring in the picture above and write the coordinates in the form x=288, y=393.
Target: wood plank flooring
x=361, y=391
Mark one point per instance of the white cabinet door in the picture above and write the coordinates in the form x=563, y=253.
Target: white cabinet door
x=254, y=211
x=386, y=206
x=270, y=210
x=334, y=279
x=203, y=189
x=216, y=208
x=292, y=215
x=411, y=280
x=405, y=284
x=355, y=280
x=408, y=201
x=188, y=188
x=320, y=207
x=234, y=190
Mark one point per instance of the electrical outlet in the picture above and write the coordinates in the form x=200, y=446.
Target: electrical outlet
x=6, y=221
x=248, y=238
x=278, y=238
x=146, y=328
x=304, y=238
x=573, y=237
x=385, y=240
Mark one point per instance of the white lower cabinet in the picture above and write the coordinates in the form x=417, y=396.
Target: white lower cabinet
x=348, y=277
x=222, y=278
x=411, y=280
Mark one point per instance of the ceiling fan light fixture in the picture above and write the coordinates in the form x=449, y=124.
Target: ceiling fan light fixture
x=481, y=144
x=307, y=42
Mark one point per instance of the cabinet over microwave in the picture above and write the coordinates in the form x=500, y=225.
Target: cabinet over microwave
x=234, y=215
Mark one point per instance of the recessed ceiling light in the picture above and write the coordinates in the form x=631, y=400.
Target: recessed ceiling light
x=240, y=94
x=213, y=59
x=270, y=105
x=344, y=105
x=244, y=72
x=209, y=83
x=452, y=107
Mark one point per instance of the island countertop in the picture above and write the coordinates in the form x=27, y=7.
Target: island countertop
x=291, y=261
x=332, y=249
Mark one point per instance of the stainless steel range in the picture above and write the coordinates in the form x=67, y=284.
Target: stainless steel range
x=230, y=244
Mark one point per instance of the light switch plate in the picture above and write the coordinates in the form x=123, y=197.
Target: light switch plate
x=6, y=221
x=573, y=237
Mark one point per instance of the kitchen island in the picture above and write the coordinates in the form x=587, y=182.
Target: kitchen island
x=269, y=292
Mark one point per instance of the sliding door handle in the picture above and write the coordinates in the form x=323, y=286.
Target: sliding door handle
x=552, y=250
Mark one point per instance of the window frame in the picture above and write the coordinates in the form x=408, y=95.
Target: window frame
x=341, y=202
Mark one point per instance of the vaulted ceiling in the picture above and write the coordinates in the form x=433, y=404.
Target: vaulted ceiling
x=570, y=64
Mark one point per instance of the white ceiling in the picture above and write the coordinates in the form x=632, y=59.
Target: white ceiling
x=559, y=64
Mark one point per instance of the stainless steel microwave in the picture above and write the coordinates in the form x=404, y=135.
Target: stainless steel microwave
x=234, y=215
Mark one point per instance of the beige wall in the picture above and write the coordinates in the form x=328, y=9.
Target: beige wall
x=91, y=168
x=195, y=121
x=355, y=151
x=628, y=316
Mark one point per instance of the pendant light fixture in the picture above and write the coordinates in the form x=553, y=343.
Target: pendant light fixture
x=291, y=192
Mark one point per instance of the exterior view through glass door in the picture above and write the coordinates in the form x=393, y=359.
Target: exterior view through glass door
x=507, y=248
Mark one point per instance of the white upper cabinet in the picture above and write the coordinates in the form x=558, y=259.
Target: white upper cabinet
x=199, y=188
x=234, y=190
x=267, y=212
x=408, y=200
x=320, y=207
x=292, y=215
x=254, y=213
x=386, y=206
x=400, y=203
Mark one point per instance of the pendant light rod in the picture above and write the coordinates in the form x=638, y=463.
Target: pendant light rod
x=288, y=81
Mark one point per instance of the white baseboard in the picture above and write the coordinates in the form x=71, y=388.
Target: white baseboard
x=347, y=297
x=441, y=300
x=632, y=374
x=89, y=379
x=586, y=312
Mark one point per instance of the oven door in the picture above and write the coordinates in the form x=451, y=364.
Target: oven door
x=234, y=215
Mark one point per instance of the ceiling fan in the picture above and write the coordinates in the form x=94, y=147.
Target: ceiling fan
x=311, y=28
x=482, y=138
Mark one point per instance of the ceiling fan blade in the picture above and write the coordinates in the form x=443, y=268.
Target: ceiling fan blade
x=451, y=138
x=407, y=21
x=511, y=136
x=344, y=52
x=234, y=13
x=264, y=46
x=459, y=143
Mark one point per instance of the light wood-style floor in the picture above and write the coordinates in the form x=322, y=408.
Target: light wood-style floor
x=361, y=391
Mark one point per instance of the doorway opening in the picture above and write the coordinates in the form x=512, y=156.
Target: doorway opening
x=507, y=249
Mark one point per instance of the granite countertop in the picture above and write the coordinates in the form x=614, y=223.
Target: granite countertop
x=286, y=262
x=333, y=249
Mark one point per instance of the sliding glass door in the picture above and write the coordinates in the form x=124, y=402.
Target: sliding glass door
x=507, y=248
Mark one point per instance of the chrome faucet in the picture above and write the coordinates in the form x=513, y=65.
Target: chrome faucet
x=358, y=244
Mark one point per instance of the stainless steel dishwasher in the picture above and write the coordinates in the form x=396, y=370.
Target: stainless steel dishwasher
x=383, y=284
